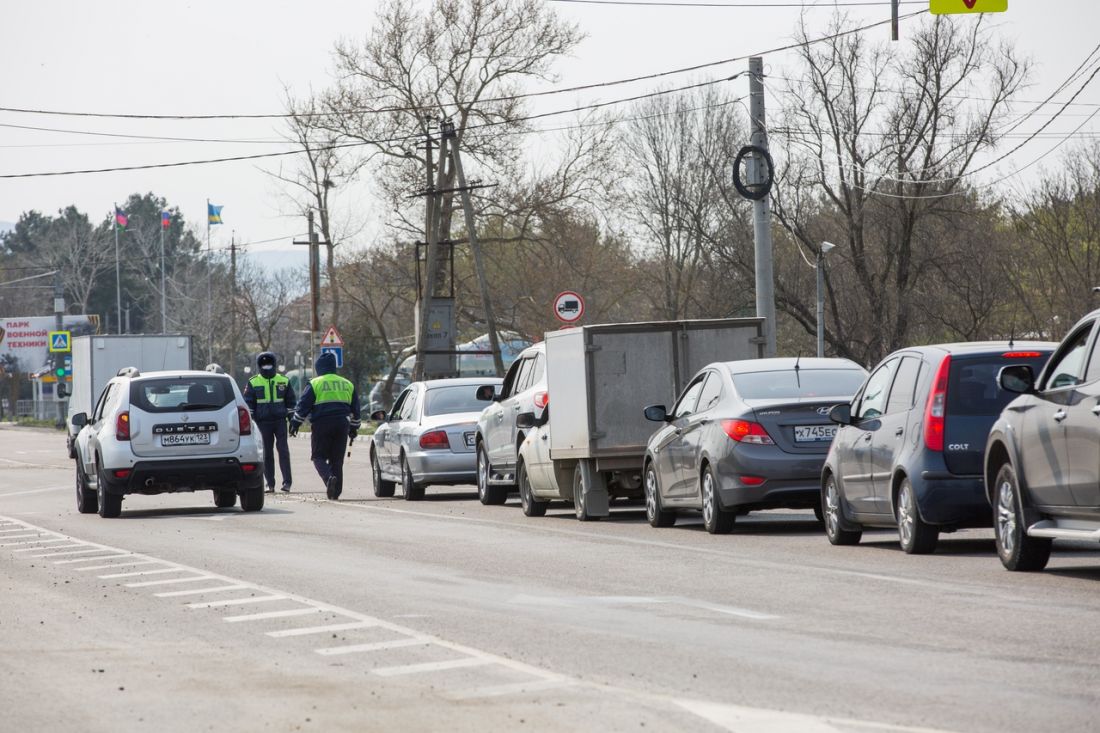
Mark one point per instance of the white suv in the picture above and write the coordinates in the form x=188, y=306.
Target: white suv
x=164, y=432
x=498, y=437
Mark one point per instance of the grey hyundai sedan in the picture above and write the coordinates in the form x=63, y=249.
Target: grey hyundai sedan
x=745, y=435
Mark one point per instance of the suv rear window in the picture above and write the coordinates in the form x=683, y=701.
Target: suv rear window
x=788, y=384
x=173, y=394
x=972, y=387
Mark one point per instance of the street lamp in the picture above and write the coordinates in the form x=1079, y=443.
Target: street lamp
x=820, y=267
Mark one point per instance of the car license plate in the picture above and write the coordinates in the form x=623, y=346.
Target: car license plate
x=469, y=437
x=185, y=439
x=814, y=433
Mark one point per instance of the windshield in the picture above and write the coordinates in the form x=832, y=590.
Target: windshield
x=789, y=384
x=451, y=400
x=173, y=394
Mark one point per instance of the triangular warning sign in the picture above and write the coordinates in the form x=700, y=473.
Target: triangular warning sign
x=332, y=337
x=60, y=341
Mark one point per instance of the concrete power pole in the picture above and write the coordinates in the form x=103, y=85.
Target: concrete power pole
x=59, y=358
x=233, y=345
x=431, y=262
x=762, y=215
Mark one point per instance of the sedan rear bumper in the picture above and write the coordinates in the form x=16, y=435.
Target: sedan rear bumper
x=442, y=467
x=790, y=480
x=157, y=477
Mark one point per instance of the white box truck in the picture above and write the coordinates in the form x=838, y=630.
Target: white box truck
x=98, y=358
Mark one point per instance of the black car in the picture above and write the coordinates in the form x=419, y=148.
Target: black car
x=909, y=453
x=1042, y=459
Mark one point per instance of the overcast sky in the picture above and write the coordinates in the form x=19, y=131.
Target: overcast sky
x=209, y=57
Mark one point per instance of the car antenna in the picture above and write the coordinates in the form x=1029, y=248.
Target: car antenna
x=1012, y=331
x=797, y=376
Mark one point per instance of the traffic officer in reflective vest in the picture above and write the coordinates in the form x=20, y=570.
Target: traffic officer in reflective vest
x=271, y=399
x=331, y=403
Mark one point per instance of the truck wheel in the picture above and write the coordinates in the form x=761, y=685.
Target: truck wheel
x=252, y=500
x=917, y=538
x=1016, y=550
x=382, y=488
x=532, y=507
x=834, y=516
x=485, y=493
x=411, y=490
x=87, y=501
x=110, y=505
x=225, y=499
x=657, y=516
x=716, y=519
x=579, y=505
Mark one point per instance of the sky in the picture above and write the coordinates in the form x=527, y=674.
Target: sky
x=207, y=57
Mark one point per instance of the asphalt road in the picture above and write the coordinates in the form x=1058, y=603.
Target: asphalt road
x=381, y=614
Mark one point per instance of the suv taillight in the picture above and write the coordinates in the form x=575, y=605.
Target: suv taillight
x=434, y=439
x=542, y=399
x=745, y=431
x=122, y=426
x=936, y=411
x=244, y=421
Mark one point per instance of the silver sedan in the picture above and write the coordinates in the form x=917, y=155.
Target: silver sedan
x=428, y=437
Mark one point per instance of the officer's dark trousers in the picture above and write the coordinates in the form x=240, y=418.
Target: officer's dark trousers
x=329, y=441
x=274, y=432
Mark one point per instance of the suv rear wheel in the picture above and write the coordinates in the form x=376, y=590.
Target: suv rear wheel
x=532, y=507
x=1016, y=550
x=110, y=505
x=87, y=501
x=252, y=500
x=916, y=537
x=487, y=493
x=225, y=499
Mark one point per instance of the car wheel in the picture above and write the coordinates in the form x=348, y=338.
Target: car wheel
x=87, y=500
x=382, y=488
x=716, y=519
x=225, y=499
x=411, y=490
x=819, y=513
x=486, y=493
x=532, y=507
x=1016, y=550
x=917, y=538
x=834, y=516
x=110, y=505
x=252, y=500
x=657, y=516
x=580, y=506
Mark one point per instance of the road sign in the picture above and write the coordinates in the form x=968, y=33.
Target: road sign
x=950, y=7
x=332, y=337
x=61, y=342
x=337, y=351
x=568, y=307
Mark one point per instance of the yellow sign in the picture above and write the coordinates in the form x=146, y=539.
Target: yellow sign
x=950, y=7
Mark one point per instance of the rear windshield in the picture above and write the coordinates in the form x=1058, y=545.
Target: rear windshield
x=972, y=387
x=173, y=394
x=451, y=400
x=792, y=384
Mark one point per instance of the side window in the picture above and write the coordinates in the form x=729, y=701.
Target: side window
x=1093, y=372
x=874, y=394
x=686, y=404
x=399, y=405
x=905, y=386
x=1067, y=366
x=104, y=399
x=508, y=387
x=712, y=392
x=524, y=375
x=537, y=371
x=408, y=409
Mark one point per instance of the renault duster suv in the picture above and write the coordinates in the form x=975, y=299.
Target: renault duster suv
x=166, y=432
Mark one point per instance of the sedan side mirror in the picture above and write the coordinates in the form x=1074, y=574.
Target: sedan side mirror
x=841, y=414
x=80, y=419
x=656, y=413
x=486, y=393
x=378, y=416
x=1018, y=378
x=525, y=420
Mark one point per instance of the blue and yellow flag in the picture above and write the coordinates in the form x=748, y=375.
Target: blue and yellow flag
x=213, y=214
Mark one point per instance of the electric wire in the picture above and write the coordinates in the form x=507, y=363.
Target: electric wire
x=759, y=5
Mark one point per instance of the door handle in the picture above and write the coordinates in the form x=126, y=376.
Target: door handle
x=899, y=431
x=867, y=438
x=515, y=407
x=1060, y=416
x=1096, y=410
x=679, y=431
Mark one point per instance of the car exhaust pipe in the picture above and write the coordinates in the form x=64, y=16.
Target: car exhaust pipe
x=149, y=482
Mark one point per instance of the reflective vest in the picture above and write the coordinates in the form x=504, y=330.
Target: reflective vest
x=331, y=388
x=269, y=390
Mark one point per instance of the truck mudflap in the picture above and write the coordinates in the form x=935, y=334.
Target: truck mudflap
x=593, y=484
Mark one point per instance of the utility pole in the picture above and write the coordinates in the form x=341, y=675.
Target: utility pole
x=894, y=20
x=59, y=358
x=233, y=305
x=314, y=284
x=762, y=215
x=163, y=292
x=118, y=270
x=431, y=264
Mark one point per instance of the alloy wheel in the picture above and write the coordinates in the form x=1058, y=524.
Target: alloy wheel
x=650, y=494
x=482, y=474
x=832, y=508
x=708, y=498
x=1006, y=517
x=905, y=514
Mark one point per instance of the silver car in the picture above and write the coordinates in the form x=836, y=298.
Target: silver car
x=745, y=435
x=428, y=437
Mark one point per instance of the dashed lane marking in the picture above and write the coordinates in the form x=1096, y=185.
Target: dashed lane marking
x=198, y=591
x=430, y=667
x=169, y=581
x=289, y=613
x=115, y=565
x=329, y=628
x=100, y=556
x=376, y=646
x=70, y=552
x=236, y=601
x=136, y=573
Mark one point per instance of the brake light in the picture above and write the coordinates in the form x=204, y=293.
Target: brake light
x=1021, y=355
x=746, y=431
x=249, y=467
x=752, y=480
x=122, y=426
x=542, y=399
x=244, y=421
x=121, y=472
x=936, y=410
x=434, y=440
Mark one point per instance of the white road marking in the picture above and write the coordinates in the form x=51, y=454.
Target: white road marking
x=508, y=689
x=52, y=547
x=117, y=565
x=424, y=667
x=17, y=529
x=141, y=572
x=272, y=614
x=19, y=537
x=31, y=542
x=93, y=559
x=332, y=651
x=33, y=491
x=34, y=465
x=757, y=720
x=71, y=552
x=320, y=629
x=198, y=591
x=190, y=579
x=214, y=517
x=236, y=601
x=641, y=600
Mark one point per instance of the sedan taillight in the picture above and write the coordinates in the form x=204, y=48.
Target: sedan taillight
x=122, y=426
x=746, y=431
x=244, y=421
x=435, y=439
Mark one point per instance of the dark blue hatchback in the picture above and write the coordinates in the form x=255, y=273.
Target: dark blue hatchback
x=910, y=446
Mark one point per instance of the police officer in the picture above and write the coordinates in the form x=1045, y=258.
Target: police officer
x=331, y=403
x=271, y=399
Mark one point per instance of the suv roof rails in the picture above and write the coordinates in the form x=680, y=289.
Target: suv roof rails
x=130, y=371
x=214, y=368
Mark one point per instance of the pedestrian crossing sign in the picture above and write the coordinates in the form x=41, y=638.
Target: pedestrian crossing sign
x=61, y=342
x=332, y=337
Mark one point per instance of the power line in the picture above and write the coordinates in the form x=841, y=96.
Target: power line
x=808, y=6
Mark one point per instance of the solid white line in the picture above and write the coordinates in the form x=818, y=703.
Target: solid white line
x=235, y=601
x=198, y=591
x=146, y=583
x=271, y=614
x=508, y=689
x=320, y=629
x=118, y=565
x=332, y=651
x=431, y=666
x=33, y=491
x=70, y=552
x=142, y=572
x=93, y=559
x=53, y=547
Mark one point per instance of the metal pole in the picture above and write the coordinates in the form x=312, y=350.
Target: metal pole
x=118, y=272
x=893, y=20
x=314, y=286
x=163, y=292
x=59, y=358
x=820, y=305
x=762, y=216
x=209, y=292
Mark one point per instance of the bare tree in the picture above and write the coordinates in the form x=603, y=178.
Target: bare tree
x=264, y=299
